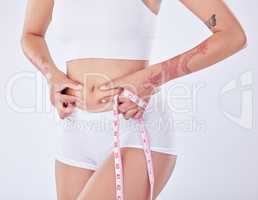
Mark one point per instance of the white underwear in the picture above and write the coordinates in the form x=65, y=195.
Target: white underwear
x=85, y=139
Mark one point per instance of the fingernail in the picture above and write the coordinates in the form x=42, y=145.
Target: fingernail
x=103, y=101
x=103, y=87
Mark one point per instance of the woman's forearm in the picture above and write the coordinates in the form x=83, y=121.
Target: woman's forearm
x=216, y=48
x=36, y=50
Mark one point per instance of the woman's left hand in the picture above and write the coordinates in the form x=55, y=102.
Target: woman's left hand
x=139, y=84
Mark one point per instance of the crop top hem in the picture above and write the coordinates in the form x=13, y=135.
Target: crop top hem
x=129, y=49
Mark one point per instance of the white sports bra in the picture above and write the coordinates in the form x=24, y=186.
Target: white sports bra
x=120, y=29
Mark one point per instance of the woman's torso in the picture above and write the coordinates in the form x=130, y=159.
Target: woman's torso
x=102, y=40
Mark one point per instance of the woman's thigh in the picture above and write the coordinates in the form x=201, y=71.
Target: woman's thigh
x=136, y=184
x=70, y=180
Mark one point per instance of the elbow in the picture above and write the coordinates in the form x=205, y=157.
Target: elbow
x=237, y=39
x=28, y=37
x=241, y=39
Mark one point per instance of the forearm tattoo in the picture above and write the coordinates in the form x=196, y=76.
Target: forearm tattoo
x=175, y=67
x=153, y=79
x=211, y=22
x=180, y=65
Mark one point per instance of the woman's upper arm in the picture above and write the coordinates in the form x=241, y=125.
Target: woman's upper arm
x=215, y=14
x=38, y=16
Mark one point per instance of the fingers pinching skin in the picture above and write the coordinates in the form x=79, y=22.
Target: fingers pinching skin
x=66, y=105
x=78, y=93
x=123, y=99
x=129, y=114
x=139, y=114
x=72, y=85
x=107, y=99
x=108, y=95
x=68, y=110
x=65, y=109
x=126, y=106
x=69, y=98
x=58, y=83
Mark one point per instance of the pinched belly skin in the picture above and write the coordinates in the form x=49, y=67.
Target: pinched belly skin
x=91, y=73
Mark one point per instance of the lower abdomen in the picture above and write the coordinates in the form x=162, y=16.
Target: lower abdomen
x=94, y=72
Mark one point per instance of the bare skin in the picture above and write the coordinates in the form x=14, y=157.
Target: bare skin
x=135, y=176
x=70, y=181
x=68, y=91
x=228, y=38
x=93, y=72
x=73, y=182
x=81, y=184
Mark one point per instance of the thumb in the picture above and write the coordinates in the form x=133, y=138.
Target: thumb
x=72, y=85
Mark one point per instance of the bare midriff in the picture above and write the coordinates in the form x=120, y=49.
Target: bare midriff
x=92, y=72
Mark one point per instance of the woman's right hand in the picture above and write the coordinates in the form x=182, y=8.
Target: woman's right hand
x=65, y=104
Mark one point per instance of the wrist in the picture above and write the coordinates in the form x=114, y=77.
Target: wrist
x=155, y=75
x=50, y=71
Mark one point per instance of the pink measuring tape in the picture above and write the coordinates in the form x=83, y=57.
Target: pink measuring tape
x=116, y=149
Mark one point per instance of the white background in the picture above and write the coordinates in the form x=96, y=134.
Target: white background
x=218, y=155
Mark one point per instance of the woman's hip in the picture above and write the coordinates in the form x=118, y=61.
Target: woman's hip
x=96, y=127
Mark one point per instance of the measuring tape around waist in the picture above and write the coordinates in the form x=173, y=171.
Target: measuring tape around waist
x=116, y=147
